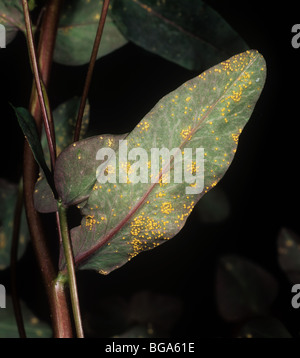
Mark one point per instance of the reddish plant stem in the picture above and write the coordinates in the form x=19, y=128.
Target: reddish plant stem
x=39, y=86
x=55, y=290
x=91, y=68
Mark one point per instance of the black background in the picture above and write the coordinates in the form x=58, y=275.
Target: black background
x=262, y=182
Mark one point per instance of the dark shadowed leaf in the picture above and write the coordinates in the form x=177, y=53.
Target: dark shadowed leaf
x=27, y=123
x=243, y=289
x=11, y=16
x=268, y=327
x=189, y=33
x=159, y=311
x=214, y=207
x=65, y=116
x=34, y=327
x=129, y=214
x=144, y=314
x=8, y=199
x=77, y=30
x=289, y=254
x=137, y=331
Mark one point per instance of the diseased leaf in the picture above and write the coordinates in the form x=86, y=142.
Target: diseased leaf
x=125, y=216
x=243, y=289
x=65, y=116
x=77, y=30
x=75, y=187
x=289, y=254
x=11, y=16
x=8, y=198
x=268, y=327
x=189, y=33
x=34, y=327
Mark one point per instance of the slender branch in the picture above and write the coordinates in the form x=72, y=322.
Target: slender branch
x=91, y=68
x=70, y=269
x=39, y=86
x=56, y=294
x=14, y=259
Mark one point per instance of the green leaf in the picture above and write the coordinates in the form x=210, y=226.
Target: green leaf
x=189, y=33
x=32, y=4
x=268, y=327
x=65, y=117
x=243, y=289
x=77, y=30
x=27, y=123
x=11, y=16
x=8, y=196
x=123, y=219
x=289, y=254
x=34, y=327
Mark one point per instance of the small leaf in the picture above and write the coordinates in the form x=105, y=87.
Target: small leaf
x=77, y=30
x=65, y=116
x=243, y=289
x=27, y=123
x=214, y=207
x=11, y=16
x=81, y=172
x=78, y=173
x=123, y=218
x=8, y=198
x=289, y=254
x=189, y=33
x=268, y=327
x=75, y=178
x=32, y=5
x=34, y=327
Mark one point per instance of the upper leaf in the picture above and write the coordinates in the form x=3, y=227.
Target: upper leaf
x=77, y=30
x=124, y=218
x=11, y=16
x=189, y=33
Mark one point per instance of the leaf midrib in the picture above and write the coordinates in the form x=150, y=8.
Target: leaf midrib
x=79, y=259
